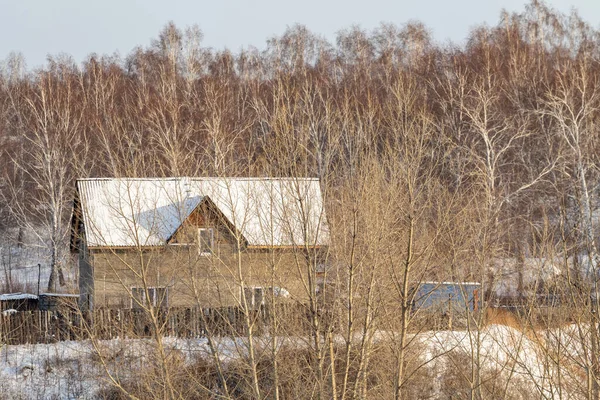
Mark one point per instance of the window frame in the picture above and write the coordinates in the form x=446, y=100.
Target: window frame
x=153, y=292
x=250, y=292
x=257, y=296
x=211, y=247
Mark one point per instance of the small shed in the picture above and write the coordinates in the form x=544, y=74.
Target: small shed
x=447, y=297
x=58, y=301
x=18, y=301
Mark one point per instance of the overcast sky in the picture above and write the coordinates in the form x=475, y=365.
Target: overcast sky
x=77, y=27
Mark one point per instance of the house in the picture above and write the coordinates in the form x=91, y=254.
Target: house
x=197, y=241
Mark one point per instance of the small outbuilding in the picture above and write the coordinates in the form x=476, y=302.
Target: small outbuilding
x=18, y=302
x=58, y=301
x=447, y=297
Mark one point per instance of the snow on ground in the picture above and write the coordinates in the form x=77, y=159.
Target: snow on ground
x=502, y=350
x=20, y=265
x=535, y=270
x=19, y=262
x=59, y=371
x=71, y=370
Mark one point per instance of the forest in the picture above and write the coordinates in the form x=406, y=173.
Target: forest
x=472, y=162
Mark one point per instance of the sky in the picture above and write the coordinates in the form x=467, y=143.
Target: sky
x=36, y=28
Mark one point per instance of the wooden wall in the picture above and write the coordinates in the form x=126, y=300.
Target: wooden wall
x=193, y=279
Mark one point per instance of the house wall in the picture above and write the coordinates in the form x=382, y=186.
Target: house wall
x=86, y=277
x=193, y=279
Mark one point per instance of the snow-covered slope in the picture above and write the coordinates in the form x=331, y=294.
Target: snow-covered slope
x=522, y=365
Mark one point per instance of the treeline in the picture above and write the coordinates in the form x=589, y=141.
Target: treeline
x=507, y=120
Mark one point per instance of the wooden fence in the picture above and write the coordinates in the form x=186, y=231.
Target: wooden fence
x=51, y=326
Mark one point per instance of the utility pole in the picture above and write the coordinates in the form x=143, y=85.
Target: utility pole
x=39, y=277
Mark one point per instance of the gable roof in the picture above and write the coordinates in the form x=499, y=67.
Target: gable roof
x=126, y=212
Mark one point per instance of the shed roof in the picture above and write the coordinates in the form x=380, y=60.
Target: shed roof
x=125, y=212
x=17, y=296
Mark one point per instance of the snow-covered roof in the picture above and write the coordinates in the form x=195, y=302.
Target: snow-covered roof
x=17, y=296
x=123, y=212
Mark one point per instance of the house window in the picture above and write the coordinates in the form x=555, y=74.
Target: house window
x=257, y=296
x=157, y=297
x=206, y=240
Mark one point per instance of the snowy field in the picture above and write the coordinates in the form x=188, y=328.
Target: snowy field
x=71, y=370
x=19, y=271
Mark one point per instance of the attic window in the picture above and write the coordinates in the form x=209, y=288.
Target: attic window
x=206, y=240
